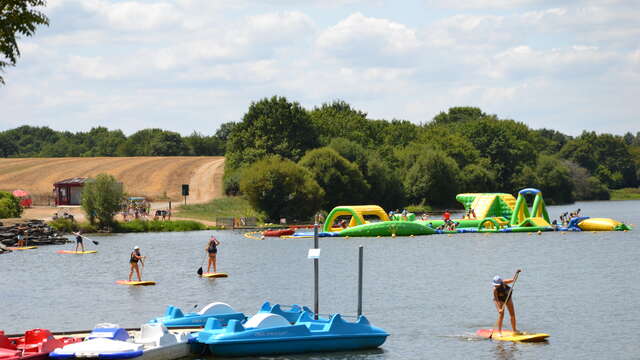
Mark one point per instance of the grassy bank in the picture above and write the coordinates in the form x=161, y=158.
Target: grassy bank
x=626, y=194
x=135, y=226
x=223, y=207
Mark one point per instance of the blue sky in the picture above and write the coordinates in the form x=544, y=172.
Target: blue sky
x=190, y=65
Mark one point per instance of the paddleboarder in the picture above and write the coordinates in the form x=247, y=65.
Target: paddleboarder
x=133, y=261
x=212, y=250
x=501, y=293
x=79, y=240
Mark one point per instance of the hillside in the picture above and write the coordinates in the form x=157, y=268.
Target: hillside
x=153, y=177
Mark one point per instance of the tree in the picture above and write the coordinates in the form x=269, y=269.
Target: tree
x=432, y=178
x=338, y=119
x=586, y=187
x=281, y=188
x=272, y=126
x=17, y=17
x=459, y=114
x=477, y=178
x=7, y=146
x=606, y=156
x=200, y=145
x=340, y=179
x=9, y=206
x=101, y=199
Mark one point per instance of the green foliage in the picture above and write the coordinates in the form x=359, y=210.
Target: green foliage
x=477, y=178
x=626, y=194
x=9, y=206
x=505, y=143
x=433, y=178
x=341, y=180
x=17, y=17
x=553, y=178
x=272, y=126
x=157, y=226
x=459, y=114
x=101, y=199
x=68, y=226
x=281, y=188
x=28, y=141
x=234, y=206
x=339, y=120
x=606, y=156
x=419, y=208
x=586, y=187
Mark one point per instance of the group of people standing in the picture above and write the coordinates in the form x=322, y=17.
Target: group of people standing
x=136, y=257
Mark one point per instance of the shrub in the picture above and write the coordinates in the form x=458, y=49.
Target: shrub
x=101, y=199
x=281, y=188
x=9, y=206
x=157, y=226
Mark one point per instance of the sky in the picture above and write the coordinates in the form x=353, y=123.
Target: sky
x=191, y=65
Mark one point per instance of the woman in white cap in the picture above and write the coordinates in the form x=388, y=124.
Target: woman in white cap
x=501, y=293
x=133, y=261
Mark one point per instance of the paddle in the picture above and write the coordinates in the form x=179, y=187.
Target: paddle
x=513, y=284
x=200, y=268
x=93, y=241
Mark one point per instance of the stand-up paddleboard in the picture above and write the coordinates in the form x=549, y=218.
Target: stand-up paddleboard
x=508, y=335
x=135, y=283
x=22, y=247
x=76, y=252
x=215, y=275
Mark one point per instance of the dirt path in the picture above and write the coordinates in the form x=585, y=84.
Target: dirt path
x=206, y=182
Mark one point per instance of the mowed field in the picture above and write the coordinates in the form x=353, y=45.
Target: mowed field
x=153, y=177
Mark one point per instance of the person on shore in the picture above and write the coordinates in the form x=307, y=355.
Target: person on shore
x=500, y=294
x=133, y=261
x=212, y=250
x=79, y=240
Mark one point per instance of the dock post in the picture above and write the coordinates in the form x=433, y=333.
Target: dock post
x=360, y=262
x=316, y=267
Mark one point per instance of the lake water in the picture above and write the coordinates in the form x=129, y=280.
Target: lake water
x=431, y=293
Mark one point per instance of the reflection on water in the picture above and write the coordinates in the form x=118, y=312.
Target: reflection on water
x=417, y=289
x=505, y=351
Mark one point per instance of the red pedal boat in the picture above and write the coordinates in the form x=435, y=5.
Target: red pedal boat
x=278, y=232
x=36, y=344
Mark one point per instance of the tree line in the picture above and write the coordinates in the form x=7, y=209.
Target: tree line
x=29, y=141
x=290, y=161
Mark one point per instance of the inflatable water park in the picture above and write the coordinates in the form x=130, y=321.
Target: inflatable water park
x=486, y=213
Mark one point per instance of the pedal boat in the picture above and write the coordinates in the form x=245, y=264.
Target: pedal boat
x=271, y=334
x=36, y=344
x=173, y=316
x=291, y=314
x=154, y=342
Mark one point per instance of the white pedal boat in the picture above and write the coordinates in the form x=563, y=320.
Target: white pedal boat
x=108, y=341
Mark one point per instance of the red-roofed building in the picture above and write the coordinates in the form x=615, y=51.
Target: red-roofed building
x=69, y=191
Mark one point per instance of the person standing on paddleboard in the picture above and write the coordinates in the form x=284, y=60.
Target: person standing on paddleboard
x=79, y=240
x=500, y=294
x=212, y=250
x=133, y=261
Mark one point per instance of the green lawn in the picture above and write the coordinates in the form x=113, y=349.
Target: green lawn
x=223, y=207
x=626, y=194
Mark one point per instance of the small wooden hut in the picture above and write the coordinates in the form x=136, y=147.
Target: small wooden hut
x=69, y=191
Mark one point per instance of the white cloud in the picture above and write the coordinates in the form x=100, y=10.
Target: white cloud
x=368, y=40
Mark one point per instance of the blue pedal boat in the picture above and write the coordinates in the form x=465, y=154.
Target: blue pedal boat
x=272, y=334
x=173, y=316
x=292, y=314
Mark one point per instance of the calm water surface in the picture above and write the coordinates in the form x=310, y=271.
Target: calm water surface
x=430, y=293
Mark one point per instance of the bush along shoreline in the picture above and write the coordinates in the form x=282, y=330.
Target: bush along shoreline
x=135, y=226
